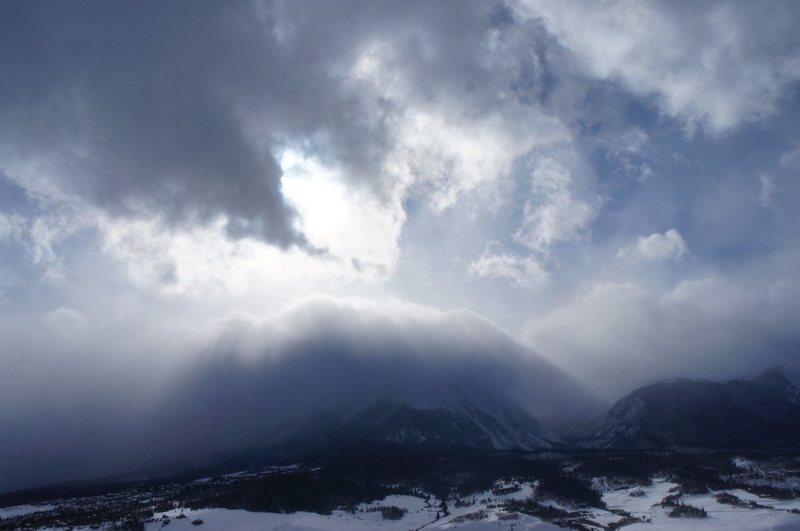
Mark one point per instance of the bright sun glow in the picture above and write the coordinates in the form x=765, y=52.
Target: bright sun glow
x=348, y=223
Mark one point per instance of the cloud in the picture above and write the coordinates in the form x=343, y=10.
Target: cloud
x=146, y=126
x=614, y=337
x=767, y=183
x=553, y=214
x=716, y=65
x=790, y=160
x=350, y=223
x=785, y=294
x=630, y=150
x=10, y=226
x=451, y=156
x=524, y=271
x=247, y=381
x=66, y=322
x=656, y=247
x=157, y=115
x=203, y=264
x=784, y=300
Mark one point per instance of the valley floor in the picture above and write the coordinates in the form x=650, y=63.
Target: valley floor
x=485, y=514
x=733, y=493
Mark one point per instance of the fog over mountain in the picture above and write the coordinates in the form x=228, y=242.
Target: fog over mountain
x=261, y=380
x=221, y=221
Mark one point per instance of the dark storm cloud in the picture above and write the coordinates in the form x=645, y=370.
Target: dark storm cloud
x=258, y=381
x=147, y=108
x=140, y=106
x=179, y=109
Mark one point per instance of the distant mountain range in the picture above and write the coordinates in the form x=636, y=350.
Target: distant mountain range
x=760, y=411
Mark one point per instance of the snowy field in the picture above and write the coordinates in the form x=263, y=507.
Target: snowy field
x=720, y=516
x=20, y=510
x=487, y=514
x=507, y=505
x=422, y=514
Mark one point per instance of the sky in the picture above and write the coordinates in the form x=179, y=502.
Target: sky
x=212, y=213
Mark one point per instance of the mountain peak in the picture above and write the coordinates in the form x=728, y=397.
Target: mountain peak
x=759, y=410
x=782, y=378
x=478, y=419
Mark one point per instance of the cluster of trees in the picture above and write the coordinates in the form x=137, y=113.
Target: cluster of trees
x=288, y=493
x=392, y=512
x=684, y=509
x=532, y=507
x=123, y=517
x=729, y=499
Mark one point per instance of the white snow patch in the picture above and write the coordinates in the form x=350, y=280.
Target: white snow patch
x=21, y=510
x=720, y=516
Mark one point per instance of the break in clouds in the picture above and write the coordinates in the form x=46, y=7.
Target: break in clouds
x=217, y=220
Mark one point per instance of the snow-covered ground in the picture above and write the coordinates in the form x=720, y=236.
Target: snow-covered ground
x=19, y=510
x=224, y=520
x=720, y=516
x=485, y=514
x=421, y=514
x=494, y=509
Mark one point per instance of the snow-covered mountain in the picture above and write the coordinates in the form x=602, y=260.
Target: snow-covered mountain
x=760, y=411
x=447, y=417
x=785, y=380
x=477, y=419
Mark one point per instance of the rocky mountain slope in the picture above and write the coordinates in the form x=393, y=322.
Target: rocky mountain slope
x=760, y=411
x=450, y=417
x=467, y=420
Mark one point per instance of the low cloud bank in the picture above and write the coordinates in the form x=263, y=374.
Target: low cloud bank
x=260, y=378
x=614, y=337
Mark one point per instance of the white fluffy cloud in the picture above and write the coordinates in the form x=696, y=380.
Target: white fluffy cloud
x=616, y=336
x=553, y=213
x=713, y=64
x=523, y=271
x=669, y=245
x=449, y=156
x=444, y=145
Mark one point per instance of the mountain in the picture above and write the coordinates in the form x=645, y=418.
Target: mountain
x=784, y=380
x=454, y=418
x=477, y=420
x=760, y=411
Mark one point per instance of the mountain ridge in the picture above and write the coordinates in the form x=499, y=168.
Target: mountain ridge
x=455, y=418
x=760, y=410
